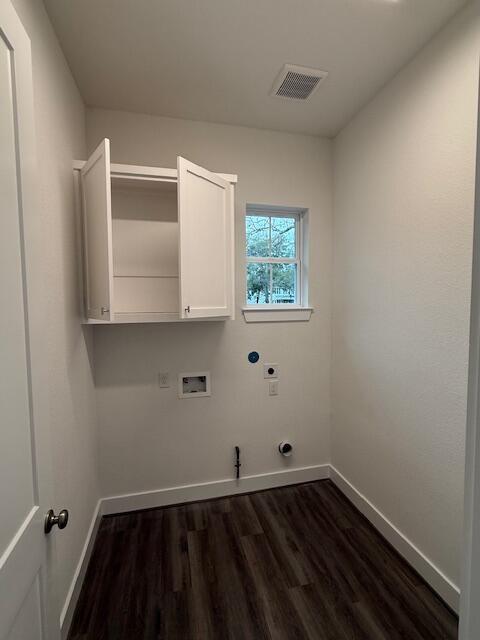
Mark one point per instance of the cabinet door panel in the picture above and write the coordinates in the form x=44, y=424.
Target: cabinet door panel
x=205, y=242
x=97, y=224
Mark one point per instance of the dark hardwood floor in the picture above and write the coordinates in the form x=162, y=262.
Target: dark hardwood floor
x=293, y=563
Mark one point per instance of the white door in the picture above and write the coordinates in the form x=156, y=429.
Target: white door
x=97, y=228
x=27, y=610
x=205, y=216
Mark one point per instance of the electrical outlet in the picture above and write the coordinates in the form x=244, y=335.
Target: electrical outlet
x=270, y=371
x=163, y=380
x=273, y=388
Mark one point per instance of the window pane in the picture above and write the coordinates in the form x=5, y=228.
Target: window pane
x=284, y=283
x=258, y=283
x=283, y=237
x=258, y=236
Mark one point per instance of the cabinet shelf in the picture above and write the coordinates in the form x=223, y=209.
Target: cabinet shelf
x=143, y=183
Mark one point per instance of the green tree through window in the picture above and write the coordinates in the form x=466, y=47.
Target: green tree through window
x=272, y=260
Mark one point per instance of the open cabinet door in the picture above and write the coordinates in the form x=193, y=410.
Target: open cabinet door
x=205, y=216
x=97, y=228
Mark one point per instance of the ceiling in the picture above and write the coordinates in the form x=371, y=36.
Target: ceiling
x=216, y=60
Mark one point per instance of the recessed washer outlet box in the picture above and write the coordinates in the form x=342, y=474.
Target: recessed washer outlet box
x=194, y=385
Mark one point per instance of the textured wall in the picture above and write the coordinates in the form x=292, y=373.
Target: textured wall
x=404, y=184
x=60, y=129
x=150, y=439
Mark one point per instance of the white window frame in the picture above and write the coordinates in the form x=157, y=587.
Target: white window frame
x=286, y=312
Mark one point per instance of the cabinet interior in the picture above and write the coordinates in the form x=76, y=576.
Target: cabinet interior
x=145, y=245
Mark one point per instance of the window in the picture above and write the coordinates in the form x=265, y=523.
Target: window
x=274, y=252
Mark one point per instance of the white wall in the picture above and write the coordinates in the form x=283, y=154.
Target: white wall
x=60, y=129
x=403, y=194
x=149, y=439
x=469, y=610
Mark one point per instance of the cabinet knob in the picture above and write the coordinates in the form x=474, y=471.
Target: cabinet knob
x=187, y=309
x=104, y=310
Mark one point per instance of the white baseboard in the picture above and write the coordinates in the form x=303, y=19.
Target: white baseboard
x=439, y=582
x=68, y=610
x=215, y=489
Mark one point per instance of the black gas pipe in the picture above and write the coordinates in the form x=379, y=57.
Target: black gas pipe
x=237, y=464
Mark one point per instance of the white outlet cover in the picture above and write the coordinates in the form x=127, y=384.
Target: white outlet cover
x=163, y=380
x=274, y=374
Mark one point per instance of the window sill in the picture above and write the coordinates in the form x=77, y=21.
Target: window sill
x=277, y=314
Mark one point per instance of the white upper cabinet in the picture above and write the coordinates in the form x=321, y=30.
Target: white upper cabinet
x=158, y=243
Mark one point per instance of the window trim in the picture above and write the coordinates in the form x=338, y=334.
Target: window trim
x=277, y=314
x=300, y=310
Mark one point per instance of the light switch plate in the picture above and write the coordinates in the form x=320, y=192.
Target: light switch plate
x=273, y=388
x=270, y=371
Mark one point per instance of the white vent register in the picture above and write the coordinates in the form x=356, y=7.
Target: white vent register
x=297, y=83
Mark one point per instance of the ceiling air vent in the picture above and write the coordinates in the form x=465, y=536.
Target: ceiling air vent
x=296, y=82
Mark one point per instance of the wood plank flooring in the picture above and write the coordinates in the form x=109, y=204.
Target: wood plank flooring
x=293, y=563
